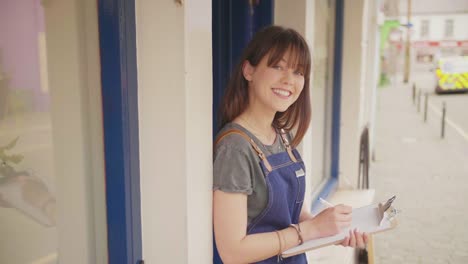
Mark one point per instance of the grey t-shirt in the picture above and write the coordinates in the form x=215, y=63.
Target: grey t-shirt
x=237, y=168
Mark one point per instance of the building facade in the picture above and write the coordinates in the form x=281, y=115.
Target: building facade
x=437, y=29
x=117, y=120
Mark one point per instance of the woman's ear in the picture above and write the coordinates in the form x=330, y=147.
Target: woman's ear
x=247, y=70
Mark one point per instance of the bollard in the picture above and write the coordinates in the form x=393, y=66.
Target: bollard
x=425, y=107
x=414, y=93
x=419, y=101
x=442, y=135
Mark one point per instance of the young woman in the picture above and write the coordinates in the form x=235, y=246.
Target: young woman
x=259, y=177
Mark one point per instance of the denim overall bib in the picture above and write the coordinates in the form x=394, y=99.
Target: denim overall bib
x=285, y=178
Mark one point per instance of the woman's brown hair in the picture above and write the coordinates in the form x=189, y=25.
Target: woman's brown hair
x=273, y=41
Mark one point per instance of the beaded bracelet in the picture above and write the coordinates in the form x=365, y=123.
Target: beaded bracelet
x=299, y=233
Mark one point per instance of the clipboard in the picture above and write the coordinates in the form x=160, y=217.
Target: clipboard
x=370, y=219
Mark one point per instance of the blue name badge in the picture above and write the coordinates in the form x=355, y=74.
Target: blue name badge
x=300, y=173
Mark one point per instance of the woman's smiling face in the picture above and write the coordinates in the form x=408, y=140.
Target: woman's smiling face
x=275, y=87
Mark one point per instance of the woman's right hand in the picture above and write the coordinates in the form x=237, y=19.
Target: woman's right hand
x=328, y=222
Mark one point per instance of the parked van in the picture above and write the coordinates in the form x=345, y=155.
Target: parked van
x=452, y=75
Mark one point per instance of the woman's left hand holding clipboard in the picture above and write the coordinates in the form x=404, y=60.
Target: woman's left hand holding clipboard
x=355, y=239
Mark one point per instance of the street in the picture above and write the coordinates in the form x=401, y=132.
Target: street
x=426, y=173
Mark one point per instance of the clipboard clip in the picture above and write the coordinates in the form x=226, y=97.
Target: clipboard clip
x=389, y=202
x=386, y=211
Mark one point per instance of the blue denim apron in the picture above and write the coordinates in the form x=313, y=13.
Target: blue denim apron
x=285, y=178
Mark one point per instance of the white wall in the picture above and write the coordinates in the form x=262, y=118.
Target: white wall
x=352, y=91
x=175, y=98
x=366, y=58
x=358, y=85
x=373, y=70
x=433, y=6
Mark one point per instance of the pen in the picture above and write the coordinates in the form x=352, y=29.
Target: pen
x=324, y=202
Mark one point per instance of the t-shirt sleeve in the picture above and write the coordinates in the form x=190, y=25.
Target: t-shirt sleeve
x=231, y=171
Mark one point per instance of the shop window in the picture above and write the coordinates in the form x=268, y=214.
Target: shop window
x=425, y=28
x=448, y=28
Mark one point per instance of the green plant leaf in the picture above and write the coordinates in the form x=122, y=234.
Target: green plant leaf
x=15, y=158
x=10, y=145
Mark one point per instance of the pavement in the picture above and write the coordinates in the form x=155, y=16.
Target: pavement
x=429, y=176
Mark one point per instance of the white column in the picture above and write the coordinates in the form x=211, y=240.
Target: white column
x=351, y=92
x=198, y=154
x=175, y=98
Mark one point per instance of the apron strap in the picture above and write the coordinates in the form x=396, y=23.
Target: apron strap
x=287, y=145
x=246, y=137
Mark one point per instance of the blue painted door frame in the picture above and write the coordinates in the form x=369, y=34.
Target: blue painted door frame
x=120, y=120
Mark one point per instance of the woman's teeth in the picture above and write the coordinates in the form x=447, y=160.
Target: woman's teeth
x=282, y=92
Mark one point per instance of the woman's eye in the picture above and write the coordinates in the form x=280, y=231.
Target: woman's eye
x=299, y=73
x=278, y=67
